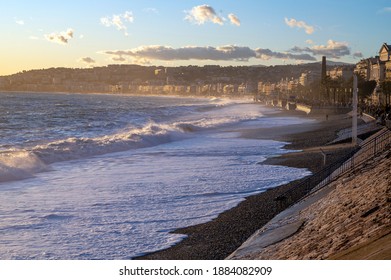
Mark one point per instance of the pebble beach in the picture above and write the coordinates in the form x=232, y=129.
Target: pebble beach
x=220, y=237
x=349, y=218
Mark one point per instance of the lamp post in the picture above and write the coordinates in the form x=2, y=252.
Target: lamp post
x=354, y=116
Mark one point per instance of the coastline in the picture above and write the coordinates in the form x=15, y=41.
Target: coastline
x=220, y=237
x=171, y=95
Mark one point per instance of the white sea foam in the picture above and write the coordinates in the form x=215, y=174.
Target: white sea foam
x=19, y=164
x=118, y=206
x=144, y=166
x=150, y=134
x=24, y=164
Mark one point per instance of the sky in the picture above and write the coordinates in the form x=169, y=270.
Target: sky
x=39, y=34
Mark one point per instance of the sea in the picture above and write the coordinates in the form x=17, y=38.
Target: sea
x=109, y=176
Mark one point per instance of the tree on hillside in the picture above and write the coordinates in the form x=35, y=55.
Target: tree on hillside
x=386, y=89
x=365, y=88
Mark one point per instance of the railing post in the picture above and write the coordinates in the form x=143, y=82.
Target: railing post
x=323, y=177
x=352, y=160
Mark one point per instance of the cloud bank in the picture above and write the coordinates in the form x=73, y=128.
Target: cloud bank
x=61, y=38
x=118, y=21
x=266, y=54
x=300, y=24
x=332, y=49
x=145, y=54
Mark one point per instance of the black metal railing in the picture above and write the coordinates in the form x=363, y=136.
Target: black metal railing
x=371, y=148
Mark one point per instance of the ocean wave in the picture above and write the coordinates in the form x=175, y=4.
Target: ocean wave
x=151, y=134
x=18, y=164
x=75, y=148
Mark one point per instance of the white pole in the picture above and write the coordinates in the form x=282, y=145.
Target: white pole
x=354, y=116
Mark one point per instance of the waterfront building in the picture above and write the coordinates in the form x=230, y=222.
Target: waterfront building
x=266, y=88
x=388, y=71
x=362, y=68
x=342, y=72
x=376, y=68
x=304, y=79
x=385, y=57
x=308, y=77
x=385, y=52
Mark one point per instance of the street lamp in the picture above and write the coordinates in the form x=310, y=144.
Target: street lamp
x=354, y=116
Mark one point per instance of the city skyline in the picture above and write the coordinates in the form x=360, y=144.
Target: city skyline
x=80, y=34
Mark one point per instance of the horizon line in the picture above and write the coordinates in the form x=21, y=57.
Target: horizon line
x=161, y=66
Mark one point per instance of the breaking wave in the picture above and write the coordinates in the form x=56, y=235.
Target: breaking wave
x=24, y=163
x=20, y=164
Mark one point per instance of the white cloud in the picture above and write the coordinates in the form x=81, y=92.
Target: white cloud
x=223, y=53
x=87, y=60
x=19, y=22
x=333, y=49
x=33, y=37
x=202, y=14
x=118, y=21
x=128, y=16
x=234, y=19
x=299, y=24
x=61, y=38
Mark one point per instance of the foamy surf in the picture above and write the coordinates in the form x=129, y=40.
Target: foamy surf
x=151, y=134
x=20, y=164
x=25, y=163
x=124, y=171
